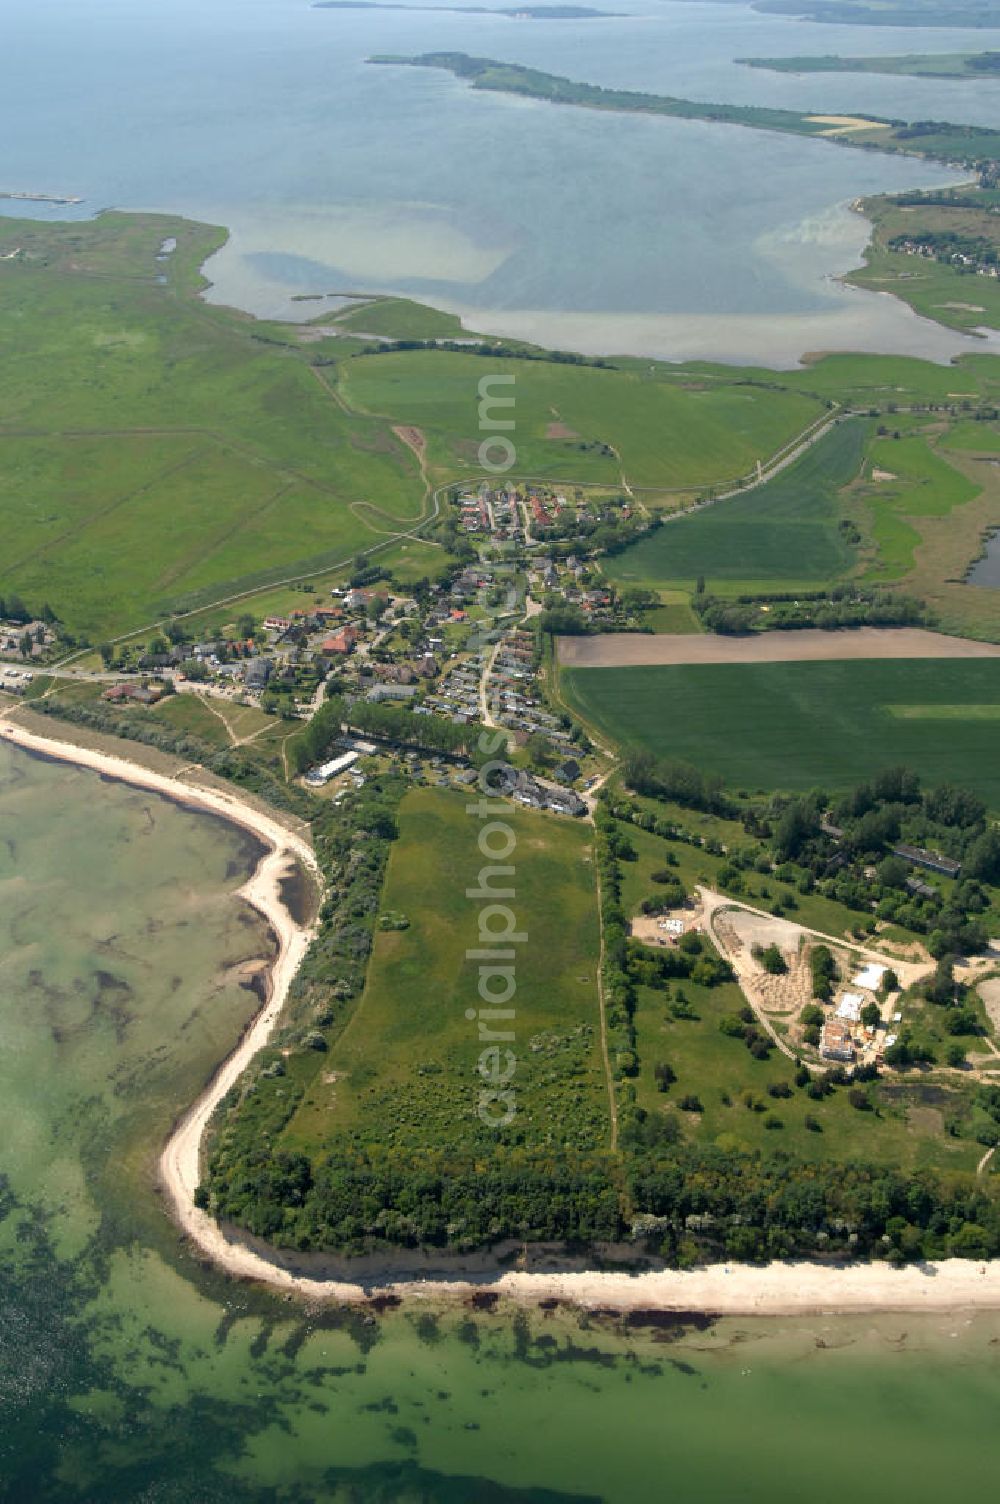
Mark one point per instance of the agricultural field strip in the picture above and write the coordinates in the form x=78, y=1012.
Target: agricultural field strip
x=626, y=649
x=610, y=409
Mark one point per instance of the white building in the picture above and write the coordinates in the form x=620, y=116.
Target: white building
x=328, y=770
x=850, y=1006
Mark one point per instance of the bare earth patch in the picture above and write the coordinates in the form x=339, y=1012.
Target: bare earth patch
x=413, y=438
x=740, y=930
x=628, y=649
x=663, y=929
x=989, y=991
x=560, y=431
x=842, y=124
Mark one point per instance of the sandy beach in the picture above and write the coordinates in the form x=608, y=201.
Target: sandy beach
x=719, y=1289
x=791, y=1289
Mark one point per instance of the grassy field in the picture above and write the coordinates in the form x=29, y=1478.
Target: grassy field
x=665, y=434
x=154, y=451
x=404, y=1070
x=888, y=381
x=799, y=725
x=740, y=1113
x=673, y=615
x=975, y=438
x=400, y=318
x=784, y=531
x=938, y=543
x=916, y=483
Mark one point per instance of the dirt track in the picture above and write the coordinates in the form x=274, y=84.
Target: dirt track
x=628, y=649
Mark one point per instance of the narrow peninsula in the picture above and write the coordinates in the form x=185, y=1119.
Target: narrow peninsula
x=969, y=145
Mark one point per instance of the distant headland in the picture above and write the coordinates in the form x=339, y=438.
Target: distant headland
x=513, y=13
x=910, y=65
x=941, y=141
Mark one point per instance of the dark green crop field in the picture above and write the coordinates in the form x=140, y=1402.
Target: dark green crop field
x=786, y=530
x=798, y=725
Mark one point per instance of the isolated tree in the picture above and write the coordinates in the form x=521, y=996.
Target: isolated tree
x=664, y=1075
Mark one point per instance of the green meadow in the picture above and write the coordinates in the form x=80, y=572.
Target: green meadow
x=159, y=456
x=404, y=1072
x=897, y=380
x=974, y=438
x=398, y=318
x=801, y=725
x=783, y=531
x=583, y=423
x=739, y=1113
x=917, y=483
x=156, y=453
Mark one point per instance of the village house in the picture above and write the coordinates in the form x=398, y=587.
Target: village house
x=836, y=1042
x=258, y=672
x=342, y=643
x=136, y=694
x=932, y=861
x=359, y=599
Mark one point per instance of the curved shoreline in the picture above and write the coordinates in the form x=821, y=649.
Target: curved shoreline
x=179, y=1164
x=720, y=1289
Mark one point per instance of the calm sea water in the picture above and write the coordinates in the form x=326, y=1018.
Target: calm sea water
x=602, y=233
x=129, y=1372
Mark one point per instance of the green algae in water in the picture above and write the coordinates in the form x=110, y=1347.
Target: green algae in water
x=128, y=1371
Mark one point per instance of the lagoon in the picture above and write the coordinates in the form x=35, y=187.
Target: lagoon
x=668, y=238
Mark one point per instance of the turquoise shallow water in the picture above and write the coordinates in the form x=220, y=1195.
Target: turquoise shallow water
x=130, y=1372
